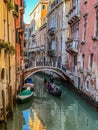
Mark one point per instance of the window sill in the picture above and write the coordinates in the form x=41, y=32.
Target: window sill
x=82, y=42
x=94, y=38
x=85, y=1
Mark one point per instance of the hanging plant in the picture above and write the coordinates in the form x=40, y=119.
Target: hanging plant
x=15, y=13
x=3, y=45
x=10, y=5
x=7, y=47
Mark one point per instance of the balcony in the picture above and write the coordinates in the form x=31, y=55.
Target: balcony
x=33, y=33
x=74, y=14
x=34, y=49
x=72, y=46
x=54, y=4
x=51, y=52
x=52, y=30
x=89, y=71
x=81, y=69
x=42, y=47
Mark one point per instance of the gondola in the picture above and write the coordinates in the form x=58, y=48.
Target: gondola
x=24, y=96
x=56, y=92
x=52, y=90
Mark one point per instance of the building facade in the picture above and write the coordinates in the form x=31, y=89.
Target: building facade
x=27, y=57
x=57, y=31
x=7, y=55
x=72, y=43
x=88, y=46
x=19, y=26
x=38, y=32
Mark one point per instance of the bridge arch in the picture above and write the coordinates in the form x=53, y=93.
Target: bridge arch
x=58, y=71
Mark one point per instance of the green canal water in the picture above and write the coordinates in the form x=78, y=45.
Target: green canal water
x=46, y=112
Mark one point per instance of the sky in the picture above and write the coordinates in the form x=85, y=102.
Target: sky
x=29, y=6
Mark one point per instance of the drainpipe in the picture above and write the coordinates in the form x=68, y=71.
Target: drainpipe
x=4, y=29
x=15, y=58
x=10, y=98
x=8, y=42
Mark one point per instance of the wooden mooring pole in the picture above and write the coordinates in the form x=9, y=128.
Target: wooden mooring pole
x=10, y=106
x=4, y=110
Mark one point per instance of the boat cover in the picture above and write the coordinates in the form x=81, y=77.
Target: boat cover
x=25, y=92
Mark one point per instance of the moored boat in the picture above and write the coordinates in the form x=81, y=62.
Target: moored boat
x=29, y=80
x=30, y=85
x=24, y=96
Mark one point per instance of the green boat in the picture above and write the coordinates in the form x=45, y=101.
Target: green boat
x=24, y=96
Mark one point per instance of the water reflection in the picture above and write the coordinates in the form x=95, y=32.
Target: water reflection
x=26, y=115
x=46, y=112
x=35, y=123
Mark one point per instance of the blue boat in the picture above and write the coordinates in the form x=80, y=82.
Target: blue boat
x=29, y=80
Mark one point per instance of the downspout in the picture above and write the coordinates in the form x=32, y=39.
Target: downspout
x=15, y=58
x=10, y=99
x=9, y=43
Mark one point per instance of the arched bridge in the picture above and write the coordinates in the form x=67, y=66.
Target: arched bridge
x=60, y=72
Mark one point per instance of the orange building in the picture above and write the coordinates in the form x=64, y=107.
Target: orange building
x=19, y=9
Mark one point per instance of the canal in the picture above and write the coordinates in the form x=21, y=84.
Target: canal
x=46, y=112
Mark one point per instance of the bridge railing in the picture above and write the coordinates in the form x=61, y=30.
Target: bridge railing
x=39, y=63
x=61, y=69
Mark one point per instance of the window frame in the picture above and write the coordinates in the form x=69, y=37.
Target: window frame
x=85, y=27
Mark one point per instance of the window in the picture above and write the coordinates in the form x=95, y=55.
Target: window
x=87, y=84
x=83, y=57
x=17, y=36
x=79, y=82
x=16, y=7
x=91, y=60
x=96, y=22
x=43, y=6
x=21, y=2
x=58, y=1
x=75, y=60
x=85, y=27
x=73, y=3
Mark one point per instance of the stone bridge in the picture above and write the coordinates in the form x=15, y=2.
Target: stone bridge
x=28, y=72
